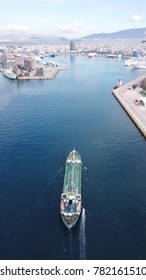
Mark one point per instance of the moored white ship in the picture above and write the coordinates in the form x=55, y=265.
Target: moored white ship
x=140, y=65
x=133, y=61
x=9, y=74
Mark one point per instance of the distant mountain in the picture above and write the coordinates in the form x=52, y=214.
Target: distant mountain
x=139, y=33
x=24, y=38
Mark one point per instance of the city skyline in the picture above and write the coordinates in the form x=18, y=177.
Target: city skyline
x=71, y=19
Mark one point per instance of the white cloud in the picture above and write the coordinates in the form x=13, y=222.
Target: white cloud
x=70, y=28
x=48, y=1
x=54, y=1
x=19, y=28
x=95, y=2
x=137, y=18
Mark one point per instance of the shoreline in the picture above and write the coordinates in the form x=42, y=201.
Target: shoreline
x=126, y=96
x=49, y=74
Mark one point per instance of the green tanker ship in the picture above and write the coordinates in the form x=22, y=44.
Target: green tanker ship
x=70, y=206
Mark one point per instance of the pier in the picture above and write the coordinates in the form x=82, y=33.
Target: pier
x=130, y=99
x=49, y=73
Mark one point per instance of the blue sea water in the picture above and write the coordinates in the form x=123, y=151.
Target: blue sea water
x=40, y=123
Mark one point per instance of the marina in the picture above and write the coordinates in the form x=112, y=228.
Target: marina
x=131, y=100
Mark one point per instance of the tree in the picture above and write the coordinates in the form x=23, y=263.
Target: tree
x=26, y=74
x=40, y=72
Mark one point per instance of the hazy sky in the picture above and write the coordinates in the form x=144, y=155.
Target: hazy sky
x=71, y=18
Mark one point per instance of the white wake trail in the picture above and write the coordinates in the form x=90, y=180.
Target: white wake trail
x=82, y=236
x=70, y=244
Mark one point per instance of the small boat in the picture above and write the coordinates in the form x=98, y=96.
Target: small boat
x=52, y=54
x=119, y=84
x=119, y=56
x=112, y=55
x=92, y=54
x=70, y=206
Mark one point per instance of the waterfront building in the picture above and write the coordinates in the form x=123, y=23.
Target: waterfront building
x=26, y=62
x=19, y=60
x=4, y=59
x=29, y=64
x=72, y=46
x=11, y=63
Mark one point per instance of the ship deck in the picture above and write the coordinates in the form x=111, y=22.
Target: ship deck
x=72, y=179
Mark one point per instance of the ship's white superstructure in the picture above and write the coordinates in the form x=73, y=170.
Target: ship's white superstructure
x=133, y=61
x=141, y=64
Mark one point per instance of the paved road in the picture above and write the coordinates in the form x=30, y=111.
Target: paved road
x=126, y=95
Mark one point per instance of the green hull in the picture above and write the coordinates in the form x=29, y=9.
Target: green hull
x=70, y=207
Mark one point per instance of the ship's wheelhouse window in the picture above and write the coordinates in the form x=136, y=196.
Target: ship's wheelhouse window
x=70, y=202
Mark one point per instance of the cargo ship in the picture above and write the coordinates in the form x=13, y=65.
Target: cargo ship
x=71, y=205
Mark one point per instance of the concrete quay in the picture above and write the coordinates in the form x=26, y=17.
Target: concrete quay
x=130, y=100
x=49, y=74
